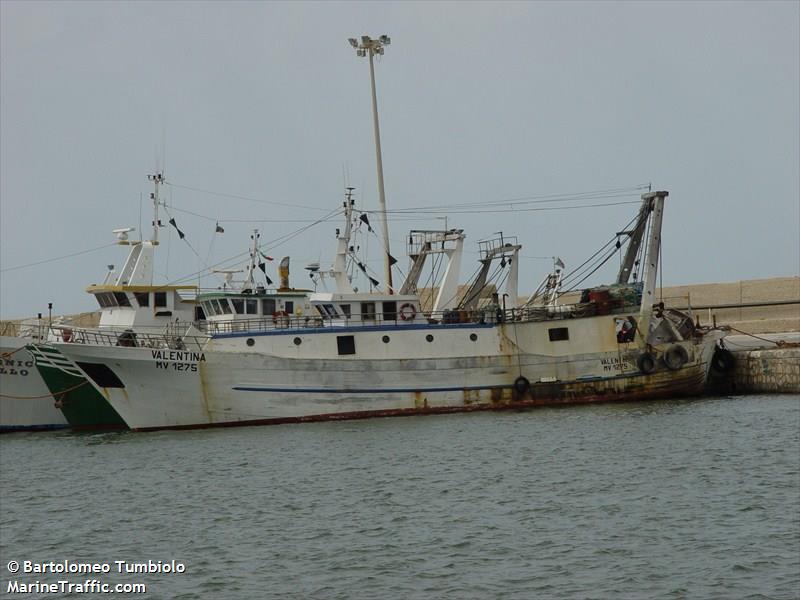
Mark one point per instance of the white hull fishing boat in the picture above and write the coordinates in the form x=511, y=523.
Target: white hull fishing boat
x=54, y=393
x=368, y=355
x=25, y=401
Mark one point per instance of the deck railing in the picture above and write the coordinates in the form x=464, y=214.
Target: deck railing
x=194, y=336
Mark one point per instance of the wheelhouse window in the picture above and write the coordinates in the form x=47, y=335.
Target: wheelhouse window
x=328, y=311
x=251, y=306
x=390, y=311
x=289, y=307
x=142, y=298
x=209, y=308
x=105, y=300
x=346, y=344
x=345, y=309
x=268, y=306
x=238, y=305
x=160, y=299
x=367, y=311
x=122, y=298
x=558, y=334
x=224, y=306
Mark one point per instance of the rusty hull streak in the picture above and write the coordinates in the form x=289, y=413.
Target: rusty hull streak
x=623, y=389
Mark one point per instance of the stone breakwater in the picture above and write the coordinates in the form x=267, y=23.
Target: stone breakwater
x=772, y=371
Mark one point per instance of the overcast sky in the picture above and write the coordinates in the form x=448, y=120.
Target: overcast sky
x=479, y=102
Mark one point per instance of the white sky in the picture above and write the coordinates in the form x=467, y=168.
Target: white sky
x=478, y=102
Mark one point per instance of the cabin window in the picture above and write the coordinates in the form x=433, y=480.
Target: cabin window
x=105, y=300
x=328, y=311
x=345, y=309
x=390, y=311
x=160, y=299
x=223, y=304
x=367, y=311
x=238, y=305
x=142, y=298
x=346, y=344
x=209, y=306
x=558, y=334
x=289, y=306
x=122, y=298
x=251, y=306
x=267, y=306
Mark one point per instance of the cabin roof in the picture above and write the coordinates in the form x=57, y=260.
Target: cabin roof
x=94, y=288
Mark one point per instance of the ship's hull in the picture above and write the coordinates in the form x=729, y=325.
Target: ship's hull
x=25, y=400
x=280, y=377
x=83, y=406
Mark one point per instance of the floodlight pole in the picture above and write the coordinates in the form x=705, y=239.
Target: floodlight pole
x=371, y=47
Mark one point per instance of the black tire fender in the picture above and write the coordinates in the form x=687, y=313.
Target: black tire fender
x=675, y=357
x=646, y=363
x=723, y=360
x=521, y=385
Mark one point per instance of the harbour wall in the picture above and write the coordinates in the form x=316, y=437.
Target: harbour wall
x=767, y=371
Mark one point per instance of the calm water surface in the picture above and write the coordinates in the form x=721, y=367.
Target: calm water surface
x=683, y=499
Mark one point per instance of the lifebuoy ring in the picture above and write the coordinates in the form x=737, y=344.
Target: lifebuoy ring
x=521, y=385
x=408, y=312
x=723, y=360
x=675, y=357
x=646, y=363
x=66, y=335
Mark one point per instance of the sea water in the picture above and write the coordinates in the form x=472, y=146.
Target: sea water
x=666, y=499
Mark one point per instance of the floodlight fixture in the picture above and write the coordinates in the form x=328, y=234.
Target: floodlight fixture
x=353, y=42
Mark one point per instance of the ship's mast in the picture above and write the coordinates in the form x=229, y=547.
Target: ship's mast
x=656, y=200
x=343, y=285
x=249, y=281
x=157, y=180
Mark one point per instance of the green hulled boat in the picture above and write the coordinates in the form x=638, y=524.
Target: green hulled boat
x=83, y=406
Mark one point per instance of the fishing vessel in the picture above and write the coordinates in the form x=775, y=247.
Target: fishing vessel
x=235, y=306
x=130, y=304
x=378, y=354
x=25, y=401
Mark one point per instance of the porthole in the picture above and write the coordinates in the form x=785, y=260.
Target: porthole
x=250, y=342
x=385, y=339
x=297, y=341
x=429, y=337
x=473, y=337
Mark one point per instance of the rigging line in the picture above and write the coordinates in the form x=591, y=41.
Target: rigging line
x=511, y=210
x=594, y=271
x=512, y=202
x=264, y=247
x=238, y=197
x=603, y=247
x=547, y=198
x=213, y=220
x=47, y=260
x=187, y=241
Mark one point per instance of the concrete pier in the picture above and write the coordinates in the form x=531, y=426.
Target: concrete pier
x=762, y=371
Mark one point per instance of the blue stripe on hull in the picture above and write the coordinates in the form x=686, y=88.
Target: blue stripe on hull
x=361, y=329
x=367, y=390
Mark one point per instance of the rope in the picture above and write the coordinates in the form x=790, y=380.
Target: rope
x=61, y=393
x=7, y=354
x=777, y=343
